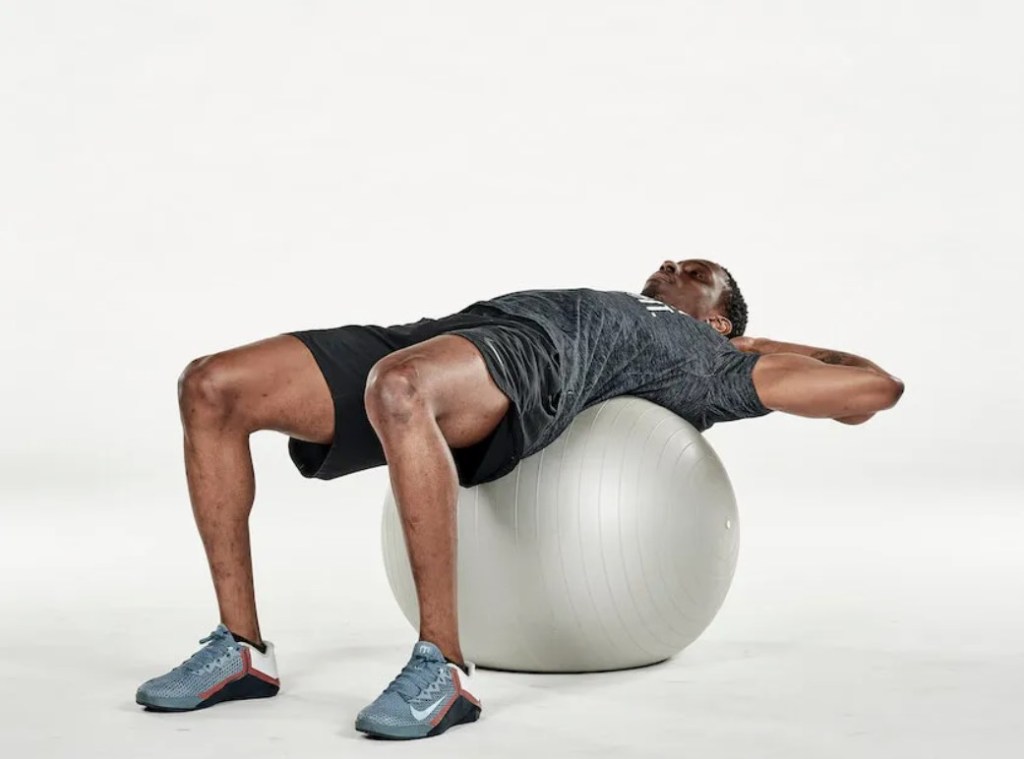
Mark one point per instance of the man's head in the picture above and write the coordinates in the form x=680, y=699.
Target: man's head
x=704, y=290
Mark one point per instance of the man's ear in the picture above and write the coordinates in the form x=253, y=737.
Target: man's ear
x=721, y=324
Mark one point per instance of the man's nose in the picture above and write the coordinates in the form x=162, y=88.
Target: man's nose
x=670, y=267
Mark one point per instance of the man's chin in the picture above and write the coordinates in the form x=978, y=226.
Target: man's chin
x=650, y=290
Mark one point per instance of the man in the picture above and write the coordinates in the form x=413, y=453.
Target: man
x=461, y=400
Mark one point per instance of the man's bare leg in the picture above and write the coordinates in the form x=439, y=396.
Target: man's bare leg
x=273, y=384
x=422, y=401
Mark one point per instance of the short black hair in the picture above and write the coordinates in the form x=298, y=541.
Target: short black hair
x=734, y=305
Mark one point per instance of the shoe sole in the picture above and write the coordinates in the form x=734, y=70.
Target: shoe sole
x=248, y=687
x=462, y=712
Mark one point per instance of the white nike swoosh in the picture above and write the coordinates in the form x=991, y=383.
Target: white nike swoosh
x=420, y=715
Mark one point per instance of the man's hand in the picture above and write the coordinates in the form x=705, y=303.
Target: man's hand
x=746, y=344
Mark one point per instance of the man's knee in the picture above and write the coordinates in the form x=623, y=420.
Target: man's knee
x=395, y=390
x=207, y=389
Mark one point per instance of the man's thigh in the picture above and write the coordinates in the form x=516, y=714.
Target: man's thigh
x=347, y=355
x=271, y=384
x=450, y=373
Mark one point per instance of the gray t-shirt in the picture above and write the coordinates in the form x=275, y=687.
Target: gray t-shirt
x=618, y=343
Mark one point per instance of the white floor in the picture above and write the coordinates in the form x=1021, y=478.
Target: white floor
x=856, y=627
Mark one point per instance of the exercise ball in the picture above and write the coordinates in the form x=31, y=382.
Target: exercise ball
x=612, y=548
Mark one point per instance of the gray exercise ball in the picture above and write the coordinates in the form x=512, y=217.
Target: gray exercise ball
x=614, y=547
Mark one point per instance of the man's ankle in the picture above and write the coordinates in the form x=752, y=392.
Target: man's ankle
x=460, y=664
x=258, y=645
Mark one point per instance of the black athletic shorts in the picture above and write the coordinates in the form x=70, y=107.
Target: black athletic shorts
x=520, y=357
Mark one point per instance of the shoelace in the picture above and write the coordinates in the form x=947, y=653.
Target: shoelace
x=414, y=678
x=219, y=644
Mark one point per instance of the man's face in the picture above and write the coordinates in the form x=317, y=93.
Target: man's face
x=694, y=286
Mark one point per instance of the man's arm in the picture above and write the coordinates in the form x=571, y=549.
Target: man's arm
x=818, y=382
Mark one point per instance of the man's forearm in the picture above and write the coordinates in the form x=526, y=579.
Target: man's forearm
x=825, y=355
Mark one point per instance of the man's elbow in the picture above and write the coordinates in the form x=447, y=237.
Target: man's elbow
x=888, y=397
x=858, y=419
x=895, y=391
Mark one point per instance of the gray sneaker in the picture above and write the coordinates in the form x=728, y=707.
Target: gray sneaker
x=223, y=670
x=429, y=696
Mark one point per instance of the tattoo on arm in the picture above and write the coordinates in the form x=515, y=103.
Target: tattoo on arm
x=834, y=357
x=826, y=356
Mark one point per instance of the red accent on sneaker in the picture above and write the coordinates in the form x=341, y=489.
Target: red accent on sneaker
x=237, y=676
x=264, y=677
x=461, y=691
x=247, y=669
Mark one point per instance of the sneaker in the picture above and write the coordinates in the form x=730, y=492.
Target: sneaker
x=429, y=696
x=223, y=670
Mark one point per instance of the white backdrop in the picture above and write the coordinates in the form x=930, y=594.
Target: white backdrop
x=182, y=178
x=178, y=178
